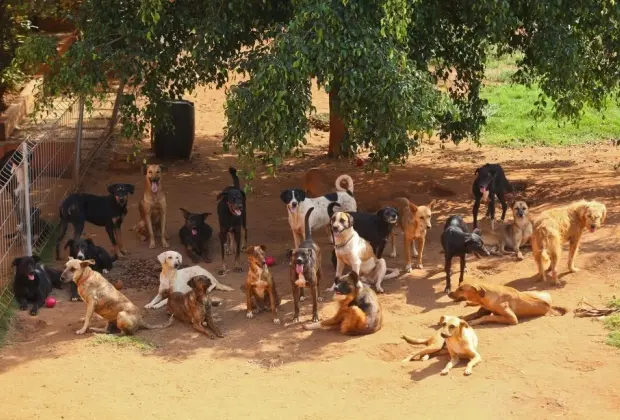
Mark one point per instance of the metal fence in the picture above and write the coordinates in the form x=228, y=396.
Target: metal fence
x=48, y=165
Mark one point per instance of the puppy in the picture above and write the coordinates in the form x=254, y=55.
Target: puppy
x=435, y=345
x=458, y=242
x=85, y=249
x=152, y=207
x=195, y=235
x=298, y=205
x=104, y=300
x=305, y=271
x=564, y=224
x=232, y=213
x=194, y=307
x=504, y=305
x=172, y=277
x=518, y=232
x=108, y=211
x=415, y=221
x=360, y=311
x=461, y=341
x=357, y=253
x=33, y=282
x=260, y=289
x=490, y=182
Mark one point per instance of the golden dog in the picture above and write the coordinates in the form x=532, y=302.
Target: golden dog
x=415, y=221
x=435, y=344
x=461, y=340
x=517, y=233
x=152, y=207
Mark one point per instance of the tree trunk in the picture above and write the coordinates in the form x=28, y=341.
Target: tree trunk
x=117, y=104
x=337, y=129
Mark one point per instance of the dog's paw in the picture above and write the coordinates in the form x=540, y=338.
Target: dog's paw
x=302, y=298
x=105, y=271
x=407, y=268
x=447, y=290
x=319, y=299
x=23, y=307
x=255, y=310
x=148, y=306
x=152, y=245
x=249, y=314
x=123, y=251
x=33, y=312
x=276, y=321
x=380, y=289
x=315, y=318
x=444, y=372
x=80, y=332
x=75, y=299
x=393, y=254
x=165, y=243
x=221, y=272
x=574, y=269
x=211, y=336
x=425, y=357
x=519, y=256
x=419, y=266
x=467, y=372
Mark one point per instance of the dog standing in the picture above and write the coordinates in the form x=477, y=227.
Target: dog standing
x=152, y=207
x=33, y=282
x=556, y=226
x=415, y=221
x=490, y=182
x=85, y=249
x=195, y=235
x=462, y=341
x=232, y=214
x=518, y=232
x=260, y=289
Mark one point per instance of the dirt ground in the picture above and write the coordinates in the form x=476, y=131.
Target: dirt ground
x=542, y=368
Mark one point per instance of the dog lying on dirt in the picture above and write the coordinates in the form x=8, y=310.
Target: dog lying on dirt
x=104, y=300
x=85, y=249
x=461, y=341
x=194, y=307
x=415, y=221
x=152, y=207
x=260, y=289
x=33, y=282
x=359, y=312
x=517, y=233
x=490, y=182
x=195, y=235
x=232, y=215
x=556, y=226
x=504, y=305
x=435, y=345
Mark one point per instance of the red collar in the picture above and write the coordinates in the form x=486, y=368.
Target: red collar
x=83, y=279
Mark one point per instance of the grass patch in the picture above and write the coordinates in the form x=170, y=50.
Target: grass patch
x=124, y=341
x=612, y=323
x=7, y=312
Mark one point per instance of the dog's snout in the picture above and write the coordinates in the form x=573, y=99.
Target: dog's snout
x=299, y=261
x=444, y=335
x=293, y=204
x=176, y=264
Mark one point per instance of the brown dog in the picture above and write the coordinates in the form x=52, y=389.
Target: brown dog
x=504, y=305
x=518, y=232
x=415, y=221
x=258, y=282
x=152, y=207
x=316, y=183
x=194, y=307
x=435, y=344
x=104, y=300
x=461, y=340
x=564, y=224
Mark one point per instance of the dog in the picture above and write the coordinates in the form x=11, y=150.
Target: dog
x=517, y=233
x=104, y=300
x=260, y=289
x=85, y=249
x=108, y=211
x=317, y=183
x=458, y=242
x=490, y=182
x=152, y=207
x=461, y=341
x=297, y=205
x=195, y=236
x=357, y=253
x=33, y=282
x=359, y=313
x=504, y=305
x=232, y=214
x=415, y=221
x=172, y=277
x=374, y=227
x=194, y=307
x=556, y=226
x=435, y=345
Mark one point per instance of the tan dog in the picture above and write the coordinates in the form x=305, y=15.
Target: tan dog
x=152, y=207
x=504, y=305
x=518, y=232
x=260, y=289
x=564, y=224
x=461, y=340
x=435, y=344
x=104, y=300
x=415, y=221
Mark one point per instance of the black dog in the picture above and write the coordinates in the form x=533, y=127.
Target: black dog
x=374, y=227
x=457, y=242
x=490, y=182
x=195, y=235
x=33, y=282
x=108, y=211
x=85, y=249
x=231, y=212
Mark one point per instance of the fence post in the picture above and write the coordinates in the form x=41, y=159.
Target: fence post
x=27, y=221
x=78, y=145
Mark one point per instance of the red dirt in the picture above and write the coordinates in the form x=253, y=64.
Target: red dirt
x=541, y=368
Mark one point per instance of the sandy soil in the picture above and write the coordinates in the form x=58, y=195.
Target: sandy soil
x=542, y=368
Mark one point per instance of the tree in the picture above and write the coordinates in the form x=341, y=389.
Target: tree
x=13, y=28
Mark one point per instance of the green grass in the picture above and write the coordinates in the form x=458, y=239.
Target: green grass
x=612, y=323
x=7, y=312
x=125, y=341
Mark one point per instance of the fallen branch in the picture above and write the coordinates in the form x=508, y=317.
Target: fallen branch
x=585, y=310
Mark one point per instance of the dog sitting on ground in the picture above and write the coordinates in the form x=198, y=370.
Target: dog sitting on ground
x=108, y=211
x=317, y=183
x=33, y=282
x=260, y=289
x=195, y=235
x=504, y=305
x=517, y=233
x=357, y=253
x=415, y=221
x=359, y=311
x=152, y=207
x=85, y=249
x=461, y=341
x=556, y=226
x=435, y=345
x=172, y=277
x=232, y=213
x=374, y=227
x=104, y=300
x=458, y=242
x=194, y=307
x=297, y=205
x=490, y=182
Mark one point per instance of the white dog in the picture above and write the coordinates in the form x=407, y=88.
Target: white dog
x=297, y=205
x=172, y=277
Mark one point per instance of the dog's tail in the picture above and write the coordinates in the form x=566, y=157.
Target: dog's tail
x=233, y=173
x=308, y=231
x=330, y=208
x=558, y=311
x=415, y=340
x=348, y=188
x=218, y=285
x=159, y=326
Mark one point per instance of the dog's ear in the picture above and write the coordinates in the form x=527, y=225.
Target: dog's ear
x=16, y=261
x=463, y=324
x=185, y=213
x=89, y=241
x=351, y=220
x=223, y=194
x=36, y=258
x=263, y=247
x=354, y=276
x=413, y=207
x=477, y=171
x=130, y=188
x=283, y=196
x=330, y=208
x=512, y=203
x=301, y=194
x=249, y=250
x=289, y=254
x=604, y=213
x=477, y=231
x=144, y=168
x=205, y=215
x=69, y=243
x=112, y=188
x=480, y=290
x=87, y=263
x=192, y=282
x=442, y=319
x=432, y=204
x=162, y=257
x=162, y=167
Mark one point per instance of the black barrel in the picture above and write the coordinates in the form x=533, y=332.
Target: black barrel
x=177, y=142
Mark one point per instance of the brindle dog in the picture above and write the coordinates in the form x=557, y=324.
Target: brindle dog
x=260, y=289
